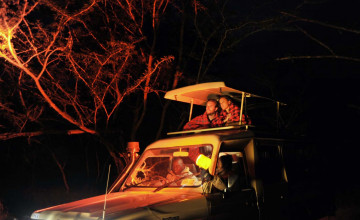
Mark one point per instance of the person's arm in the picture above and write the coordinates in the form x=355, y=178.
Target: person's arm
x=218, y=183
x=200, y=121
x=246, y=119
x=235, y=113
x=170, y=176
x=193, y=124
x=217, y=121
x=212, y=184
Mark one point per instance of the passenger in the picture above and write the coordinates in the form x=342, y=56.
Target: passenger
x=225, y=179
x=209, y=119
x=180, y=171
x=231, y=112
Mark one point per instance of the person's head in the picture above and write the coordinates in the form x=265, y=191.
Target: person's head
x=224, y=164
x=178, y=165
x=225, y=102
x=211, y=107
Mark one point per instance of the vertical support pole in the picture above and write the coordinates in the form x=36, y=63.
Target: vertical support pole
x=191, y=108
x=284, y=173
x=242, y=107
x=277, y=116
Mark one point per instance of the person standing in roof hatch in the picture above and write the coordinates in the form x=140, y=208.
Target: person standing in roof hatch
x=231, y=112
x=209, y=119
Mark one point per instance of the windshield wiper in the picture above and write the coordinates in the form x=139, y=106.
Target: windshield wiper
x=174, y=181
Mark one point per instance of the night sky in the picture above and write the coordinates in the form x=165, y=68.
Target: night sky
x=308, y=59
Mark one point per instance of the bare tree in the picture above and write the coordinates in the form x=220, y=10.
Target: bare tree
x=82, y=70
x=294, y=20
x=75, y=62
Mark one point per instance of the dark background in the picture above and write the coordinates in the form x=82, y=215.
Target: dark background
x=322, y=96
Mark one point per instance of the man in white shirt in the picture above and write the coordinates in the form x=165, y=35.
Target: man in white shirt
x=181, y=173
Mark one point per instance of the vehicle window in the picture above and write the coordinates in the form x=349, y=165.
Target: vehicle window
x=238, y=167
x=168, y=167
x=270, y=164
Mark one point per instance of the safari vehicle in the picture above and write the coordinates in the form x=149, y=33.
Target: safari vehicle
x=144, y=191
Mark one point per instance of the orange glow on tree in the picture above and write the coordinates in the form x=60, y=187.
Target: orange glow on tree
x=81, y=73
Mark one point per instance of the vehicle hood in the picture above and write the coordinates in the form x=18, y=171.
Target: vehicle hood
x=117, y=203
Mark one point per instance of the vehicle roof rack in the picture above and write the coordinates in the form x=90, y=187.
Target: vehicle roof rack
x=240, y=127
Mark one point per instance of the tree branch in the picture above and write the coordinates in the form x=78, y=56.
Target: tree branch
x=319, y=57
x=12, y=135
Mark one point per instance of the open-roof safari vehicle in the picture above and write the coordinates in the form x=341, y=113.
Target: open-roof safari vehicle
x=143, y=191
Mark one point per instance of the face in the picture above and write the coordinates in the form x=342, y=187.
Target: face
x=211, y=108
x=178, y=166
x=219, y=167
x=224, y=103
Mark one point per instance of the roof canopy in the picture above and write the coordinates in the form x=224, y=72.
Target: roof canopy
x=198, y=94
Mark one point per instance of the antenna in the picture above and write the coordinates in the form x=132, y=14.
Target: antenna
x=107, y=183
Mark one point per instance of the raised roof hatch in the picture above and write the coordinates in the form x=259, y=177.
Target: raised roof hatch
x=198, y=94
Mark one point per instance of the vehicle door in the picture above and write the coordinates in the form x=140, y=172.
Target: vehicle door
x=240, y=203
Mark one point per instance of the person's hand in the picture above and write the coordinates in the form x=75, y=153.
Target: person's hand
x=227, y=117
x=206, y=176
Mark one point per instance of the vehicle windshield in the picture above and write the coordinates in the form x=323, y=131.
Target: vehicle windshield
x=169, y=167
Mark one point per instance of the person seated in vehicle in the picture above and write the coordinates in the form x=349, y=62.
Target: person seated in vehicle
x=209, y=119
x=181, y=174
x=231, y=112
x=225, y=179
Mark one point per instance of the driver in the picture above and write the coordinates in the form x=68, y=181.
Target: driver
x=180, y=171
